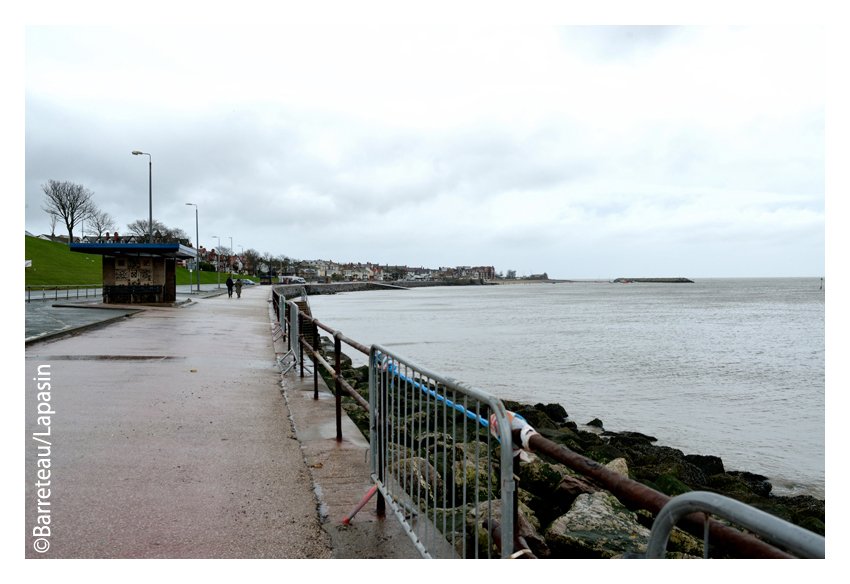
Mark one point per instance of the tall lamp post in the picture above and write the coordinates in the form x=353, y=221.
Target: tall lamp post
x=150, y=192
x=230, y=271
x=198, y=246
x=217, y=266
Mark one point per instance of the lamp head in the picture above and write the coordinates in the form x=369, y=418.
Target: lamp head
x=137, y=152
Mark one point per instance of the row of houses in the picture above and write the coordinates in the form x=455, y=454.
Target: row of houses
x=317, y=270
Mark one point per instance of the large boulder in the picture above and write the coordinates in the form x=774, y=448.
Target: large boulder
x=596, y=526
x=758, y=484
x=680, y=544
x=551, y=507
x=604, y=453
x=649, y=462
x=480, y=484
x=528, y=526
x=424, y=483
x=619, y=466
x=710, y=465
x=565, y=437
x=556, y=412
x=671, y=486
x=541, y=478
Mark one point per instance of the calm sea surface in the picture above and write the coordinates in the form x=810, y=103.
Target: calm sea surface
x=728, y=367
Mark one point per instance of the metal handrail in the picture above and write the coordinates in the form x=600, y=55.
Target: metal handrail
x=800, y=541
x=634, y=493
x=56, y=287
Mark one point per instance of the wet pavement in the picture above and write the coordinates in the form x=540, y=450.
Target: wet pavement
x=42, y=318
x=47, y=317
x=173, y=435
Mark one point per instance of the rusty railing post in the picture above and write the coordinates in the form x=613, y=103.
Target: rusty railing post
x=515, y=510
x=338, y=385
x=380, y=430
x=288, y=321
x=301, y=342
x=315, y=353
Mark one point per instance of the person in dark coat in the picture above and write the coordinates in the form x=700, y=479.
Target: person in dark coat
x=229, y=287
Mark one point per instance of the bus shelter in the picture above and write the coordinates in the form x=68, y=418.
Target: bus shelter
x=138, y=272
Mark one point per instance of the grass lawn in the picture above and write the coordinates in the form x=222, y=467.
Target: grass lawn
x=55, y=264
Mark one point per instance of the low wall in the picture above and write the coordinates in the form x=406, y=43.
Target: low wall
x=292, y=290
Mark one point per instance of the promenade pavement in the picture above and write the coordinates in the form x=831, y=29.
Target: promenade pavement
x=174, y=435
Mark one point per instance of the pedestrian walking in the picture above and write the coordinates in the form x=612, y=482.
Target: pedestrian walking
x=238, y=286
x=229, y=284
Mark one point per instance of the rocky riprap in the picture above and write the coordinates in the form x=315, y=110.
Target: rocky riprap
x=566, y=515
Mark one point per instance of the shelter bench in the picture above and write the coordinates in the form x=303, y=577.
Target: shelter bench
x=132, y=291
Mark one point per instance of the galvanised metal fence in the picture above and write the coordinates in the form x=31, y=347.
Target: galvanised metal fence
x=458, y=518
x=435, y=460
x=52, y=292
x=425, y=427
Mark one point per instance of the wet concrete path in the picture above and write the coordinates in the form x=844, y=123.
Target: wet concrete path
x=170, y=439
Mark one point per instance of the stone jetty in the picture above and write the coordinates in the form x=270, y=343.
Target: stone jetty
x=654, y=280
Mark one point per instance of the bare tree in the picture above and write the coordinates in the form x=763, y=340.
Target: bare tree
x=141, y=229
x=286, y=263
x=54, y=219
x=101, y=221
x=71, y=202
x=253, y=257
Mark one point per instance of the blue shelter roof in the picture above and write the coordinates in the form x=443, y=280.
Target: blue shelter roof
x=166, y=250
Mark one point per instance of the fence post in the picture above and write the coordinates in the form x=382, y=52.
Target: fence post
x=380, y=431
x=315, y=352
x=301, y=342
x=287, y=320
x=338, y=385
x=515, y=509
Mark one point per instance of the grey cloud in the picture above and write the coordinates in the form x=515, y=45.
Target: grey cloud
x=607, y=43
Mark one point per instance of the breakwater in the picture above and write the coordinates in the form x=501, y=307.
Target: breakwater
x=654, y=280
x=292, y=290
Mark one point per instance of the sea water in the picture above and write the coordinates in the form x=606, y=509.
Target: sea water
x=728, y=367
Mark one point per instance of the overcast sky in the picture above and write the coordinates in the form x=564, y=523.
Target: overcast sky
x=582, y=152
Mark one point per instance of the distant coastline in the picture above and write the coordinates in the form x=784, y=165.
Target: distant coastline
x=654, y=280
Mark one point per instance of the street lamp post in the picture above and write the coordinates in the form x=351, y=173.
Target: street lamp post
x=230, y=271
x=150, y=192
x=217, y=263
x=198, y=246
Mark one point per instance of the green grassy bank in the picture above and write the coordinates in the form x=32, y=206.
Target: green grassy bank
x=55, y=264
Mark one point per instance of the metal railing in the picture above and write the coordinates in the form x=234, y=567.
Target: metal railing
x=800, y=541
x=435, y=530
x=448, y=522
x=632, y=493
x=290, y=323
x=46, y=291
x=434, y=459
